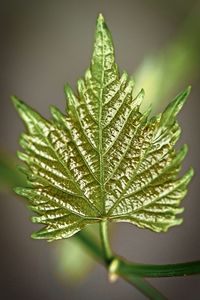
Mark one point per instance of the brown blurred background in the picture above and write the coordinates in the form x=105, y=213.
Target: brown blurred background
x=43, y=45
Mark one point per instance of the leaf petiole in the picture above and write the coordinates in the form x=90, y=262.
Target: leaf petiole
x=106, y=248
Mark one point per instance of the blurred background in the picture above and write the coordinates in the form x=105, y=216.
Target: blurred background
x=45, y=44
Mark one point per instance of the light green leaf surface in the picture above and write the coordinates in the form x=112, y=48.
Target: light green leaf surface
x=103, y=160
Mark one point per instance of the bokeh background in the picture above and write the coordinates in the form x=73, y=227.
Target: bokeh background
x=43, y=45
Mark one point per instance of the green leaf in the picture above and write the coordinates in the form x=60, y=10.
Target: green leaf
x=104, y=159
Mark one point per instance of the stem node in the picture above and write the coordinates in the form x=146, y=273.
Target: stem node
x=113, y=268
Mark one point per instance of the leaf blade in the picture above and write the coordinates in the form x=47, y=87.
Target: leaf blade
x=104, y=159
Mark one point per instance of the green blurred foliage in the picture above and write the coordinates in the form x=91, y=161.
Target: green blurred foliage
x=74, y=262
x=10, y=176
x=173, y=68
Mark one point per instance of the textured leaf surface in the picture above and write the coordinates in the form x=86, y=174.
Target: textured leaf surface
x=103, y=159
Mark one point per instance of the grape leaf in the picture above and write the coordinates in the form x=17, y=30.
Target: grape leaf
x=104, y=159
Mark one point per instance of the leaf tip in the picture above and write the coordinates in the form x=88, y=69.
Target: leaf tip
x=68, y=90
x=172, y=223
x=139, y=98
x=191, y=172
x=177, y=221
x=16, y=102
x=171, y=111
x=100, y=19
x=185, y=148
x=101, y=24
x=38, y=235
x=142, y=92
x=182, y=97
x=14, y=99
x=22, y=156
x=188, y=90
x=34, y=236
x=17, y=190
x=188, y=176
x=21, y=191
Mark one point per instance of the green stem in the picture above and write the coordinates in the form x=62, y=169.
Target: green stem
x=130, y=269
x=138, y=282
x=144, y=287
x=170, y=270
x=107, y=252
x=134, y=273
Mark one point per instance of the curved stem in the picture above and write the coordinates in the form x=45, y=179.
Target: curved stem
x=107, y=252
x=170, y=270
x=124, y=267
x=144, y=287
x=138, y=282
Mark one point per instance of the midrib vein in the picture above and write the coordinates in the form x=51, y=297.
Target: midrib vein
x=101, y=164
